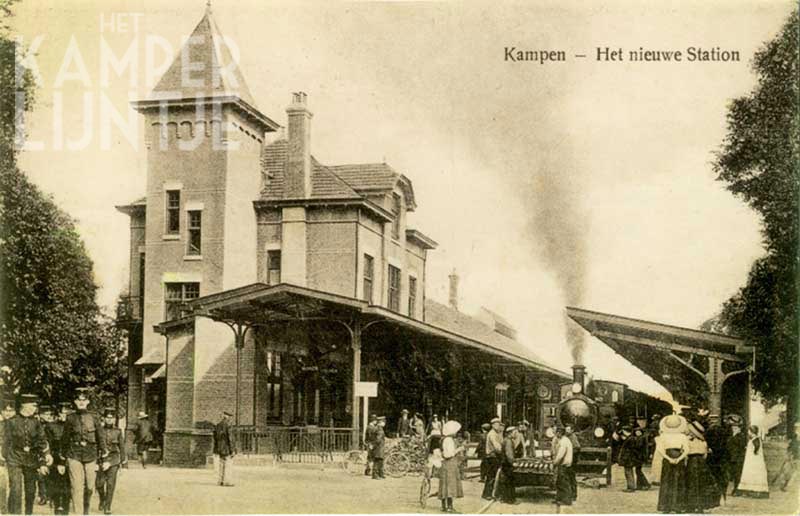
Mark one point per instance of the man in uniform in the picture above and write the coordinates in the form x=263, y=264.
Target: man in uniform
x=57, y=479
x=45, y=416
x=26, y=453
x=378, y=449
x=480, y=451
x=717, y=459
x=507, y=488
x=494, y=456
x=225, y=448
x=404, y=425
x=737, y=445
x=143, y=437
x=6, y=413
x=82, y=444
x=109, y=467
x=369, y=442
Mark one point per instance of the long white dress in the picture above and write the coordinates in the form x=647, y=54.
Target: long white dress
x=754, y=471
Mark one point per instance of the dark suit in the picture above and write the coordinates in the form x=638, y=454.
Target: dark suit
x=737, y=445
x=57, y=483
x=717, y=460
x=378, y=451
x=107, y=479
x=507, y=488
x=24, y=449
x=225, y=447
x=369, y=442
x=82, y=444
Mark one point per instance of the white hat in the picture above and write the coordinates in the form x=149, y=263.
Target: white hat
x=142, y=414
x=451, y=428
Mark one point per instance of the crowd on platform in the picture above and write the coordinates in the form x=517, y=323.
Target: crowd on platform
x=63, y=452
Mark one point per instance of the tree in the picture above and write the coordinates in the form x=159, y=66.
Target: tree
x=52, y=333
x=760, y=162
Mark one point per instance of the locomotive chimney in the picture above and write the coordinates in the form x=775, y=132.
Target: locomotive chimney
x=578, y=372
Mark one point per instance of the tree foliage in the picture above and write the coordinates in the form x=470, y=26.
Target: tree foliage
x=759, y=163
x=53, y=336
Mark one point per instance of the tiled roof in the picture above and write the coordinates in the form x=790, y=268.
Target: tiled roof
x=445, y=317
x=340, y=181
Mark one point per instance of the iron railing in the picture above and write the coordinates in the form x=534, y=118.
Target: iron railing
x=312, y=444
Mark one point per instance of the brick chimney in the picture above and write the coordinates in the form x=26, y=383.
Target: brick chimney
x=453, y=298
x=298, y=164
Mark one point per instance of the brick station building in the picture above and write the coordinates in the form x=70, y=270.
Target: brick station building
x=268, y=283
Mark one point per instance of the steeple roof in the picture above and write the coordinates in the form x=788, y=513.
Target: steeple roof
x=204, y=67
x=205, y=71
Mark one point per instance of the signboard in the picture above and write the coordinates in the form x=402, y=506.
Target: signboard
x=367, y=389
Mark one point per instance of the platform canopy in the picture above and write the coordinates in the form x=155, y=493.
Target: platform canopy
x=685, y=361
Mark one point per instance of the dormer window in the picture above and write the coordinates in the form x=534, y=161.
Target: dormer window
x=396, y=209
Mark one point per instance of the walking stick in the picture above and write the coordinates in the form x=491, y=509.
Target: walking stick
x=494, y=493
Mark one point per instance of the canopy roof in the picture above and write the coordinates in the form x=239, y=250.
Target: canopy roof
x=675, y=357
x=260, y=304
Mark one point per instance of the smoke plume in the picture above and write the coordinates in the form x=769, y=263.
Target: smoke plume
x=558, y=225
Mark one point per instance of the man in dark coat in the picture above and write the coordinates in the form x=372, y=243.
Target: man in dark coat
x=563, y=462
x=404, y=425
x=8, y=412
x=378, y=450
x=109, y=466
x=82, y=444
x=507, y=490
x=57, y=478
x=369, y=442
x=576, y=452
x=642, y=455
x=225, y=448
x=737, y=446
x=627, y=457
x=26, y=453
x=717, y=459
x=615, y=430
x=480, y=451
x=143, y=437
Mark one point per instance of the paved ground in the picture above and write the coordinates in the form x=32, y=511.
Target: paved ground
x=159, y=490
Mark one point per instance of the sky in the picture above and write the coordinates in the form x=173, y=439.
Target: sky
x=579, y=183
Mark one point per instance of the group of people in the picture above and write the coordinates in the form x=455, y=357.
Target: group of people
x=695, y=465
x=67, y=454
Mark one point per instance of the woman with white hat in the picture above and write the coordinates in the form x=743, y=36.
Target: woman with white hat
x=754, y=472
x=672, y=491
x=449, y=478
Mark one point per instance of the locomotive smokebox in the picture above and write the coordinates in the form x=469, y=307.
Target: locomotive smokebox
x=578, y=373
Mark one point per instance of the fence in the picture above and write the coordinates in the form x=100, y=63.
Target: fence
x=306, y=444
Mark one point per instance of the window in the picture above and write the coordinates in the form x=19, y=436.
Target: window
x=412, y=296
x=173, y=212
x=195, y=222
x=274, y=391
x=396, y=209
x=501, y=400
x=369, y=277
x=177, y=294
x=394, y=288
x=273, y=267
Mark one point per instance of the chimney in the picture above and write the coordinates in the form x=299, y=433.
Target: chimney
x=298, y=162
x=578, y=372
x=453, y=290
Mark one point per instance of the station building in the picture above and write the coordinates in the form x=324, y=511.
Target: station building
x=266, y=282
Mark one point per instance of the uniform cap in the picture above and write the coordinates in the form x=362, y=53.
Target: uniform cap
x=142, y=414
x=404, y=411
x=109, y=411
x=45, y=409
x=373, y=417
x=495, y=420
x=381, y=418
x=8, y=403
x=81, y=392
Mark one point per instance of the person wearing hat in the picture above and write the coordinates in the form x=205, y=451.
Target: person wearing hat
x=378, y=449
x=225, y=448
x=404, y=424
x=435, y=426
x=26, y=453
x=449, y=476
x=143, y=437
x=109, y=466
x=480, y=451
x=507, y=487
x=45, y=415
x=82, y=444
x=736, y=448
x=563, y=461
x=672, y=491
x=369, y=442
x=57, y=479
x=494, y=456
x=701, y=487
x=717, y=459
x=753, y=481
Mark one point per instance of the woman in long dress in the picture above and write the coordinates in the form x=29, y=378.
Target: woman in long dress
x=754, y=471
x=449, y=478
x=674, y=451
x=701, y=486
